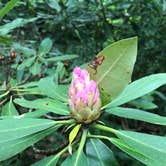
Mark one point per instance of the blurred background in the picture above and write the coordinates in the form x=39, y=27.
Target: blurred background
x=78, y=30
x=85, y=27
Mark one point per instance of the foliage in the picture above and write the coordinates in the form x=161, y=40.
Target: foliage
x=41, y=41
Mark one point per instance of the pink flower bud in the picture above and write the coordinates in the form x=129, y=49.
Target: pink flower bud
x=84, y=97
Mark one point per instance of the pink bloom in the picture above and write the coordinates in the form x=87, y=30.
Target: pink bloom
x=83, y=95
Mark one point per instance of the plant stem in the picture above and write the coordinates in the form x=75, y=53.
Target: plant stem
x=103, y=107
x=4, y=94
x=62, y=151
x=70, y=121
x=99, y=136
x=105, y=128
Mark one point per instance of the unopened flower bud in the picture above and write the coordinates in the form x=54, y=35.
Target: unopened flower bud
x=84, y=97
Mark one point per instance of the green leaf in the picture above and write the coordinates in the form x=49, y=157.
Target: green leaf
x=62, y=58
x=9, y=5
x=26, y=63
x=74, y=133
x=49, y=88
x=24, y=50
x=71, y=161
x=137, y=155
x=139, y=88
x=144, y=104
x=54, y=5
x=114, y=74
x=9, y=109
x=99, y=154
x=154, y=147
x=78, y=158
x=29, y=84
x=35, y=68
x=45, y=46
x=60, y=72
x=34, y=114
x=11, y=148
x=137, y=114
x=14, y=128
x=47, y=161
x=49, y=105
x=19, y=22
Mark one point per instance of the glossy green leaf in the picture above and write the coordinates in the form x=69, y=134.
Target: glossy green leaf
x=99, y=154
x=72, y=136
x=34, y=114
x=131, y=151
x=9, y=5
x=14, y=128
x=9, y=109
x=71, y=160
x=13, y=147
x=137, y=114
x=47, y=104
x=49, y=88
x=154, y=147
x=143, y=104
x=74, y=133
x=139, y=88
x=45, y=46
x=114, y=74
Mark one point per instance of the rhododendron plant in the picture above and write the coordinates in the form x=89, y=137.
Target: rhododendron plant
x=84, y=97
x=74, y=111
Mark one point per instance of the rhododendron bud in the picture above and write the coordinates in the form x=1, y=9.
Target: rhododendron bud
x=84, y=97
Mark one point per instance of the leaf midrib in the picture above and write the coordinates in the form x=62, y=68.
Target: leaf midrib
x=97, y=152
x=109, y=69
